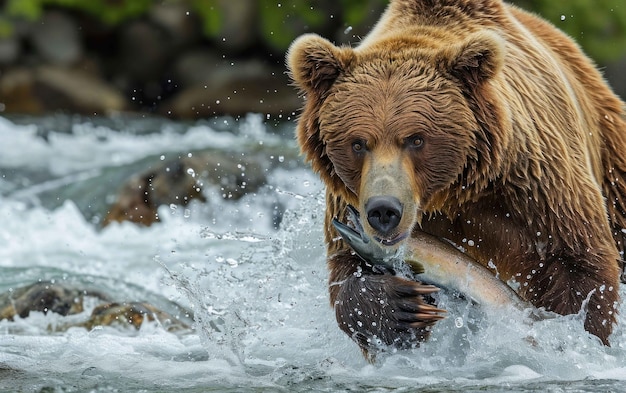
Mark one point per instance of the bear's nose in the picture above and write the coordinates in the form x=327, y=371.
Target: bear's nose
x=383, y=213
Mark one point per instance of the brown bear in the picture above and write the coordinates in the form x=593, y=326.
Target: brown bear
x=469, y=120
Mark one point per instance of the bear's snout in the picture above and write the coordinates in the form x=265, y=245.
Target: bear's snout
x=383, y=213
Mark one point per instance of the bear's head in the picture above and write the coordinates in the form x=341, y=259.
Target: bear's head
x=403, y=126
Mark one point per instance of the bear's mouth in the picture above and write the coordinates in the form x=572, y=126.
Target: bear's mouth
x=391, y=241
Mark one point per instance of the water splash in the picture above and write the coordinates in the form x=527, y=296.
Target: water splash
x=259, y=295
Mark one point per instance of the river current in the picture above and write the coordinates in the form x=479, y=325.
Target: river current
x=256, y=288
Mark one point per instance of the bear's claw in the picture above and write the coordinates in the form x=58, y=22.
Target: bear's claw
x=386, y=309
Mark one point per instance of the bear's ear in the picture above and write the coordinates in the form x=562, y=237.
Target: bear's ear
x=314, y=63
x=476, y=59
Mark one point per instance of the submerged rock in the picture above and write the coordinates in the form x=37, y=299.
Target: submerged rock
x=139, y=198
x=66, y=299
x=132, y=314
x=45, y=297
x=182, y=180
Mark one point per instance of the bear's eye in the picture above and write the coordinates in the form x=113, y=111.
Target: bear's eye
x=358, y=146
x=415, y=141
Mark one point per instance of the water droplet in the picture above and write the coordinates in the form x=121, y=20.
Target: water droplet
x=191, y=172
x=347, y=30
x=458, y=322
x=562, y=17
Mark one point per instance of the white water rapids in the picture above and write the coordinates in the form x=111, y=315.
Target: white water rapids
x=259, y=295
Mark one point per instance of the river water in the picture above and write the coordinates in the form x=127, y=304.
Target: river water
x=258, y=294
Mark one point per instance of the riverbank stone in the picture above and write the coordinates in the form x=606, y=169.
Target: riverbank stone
x=52, y=88
x=56, y=39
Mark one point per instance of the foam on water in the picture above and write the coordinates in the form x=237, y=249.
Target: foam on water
x=262, y=318
x=93, y=147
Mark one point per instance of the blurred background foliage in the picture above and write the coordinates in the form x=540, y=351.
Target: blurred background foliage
x=108, y=11
x=598, y=25
x=201, y=58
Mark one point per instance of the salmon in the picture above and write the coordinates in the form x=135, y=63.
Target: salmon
x=433, y=261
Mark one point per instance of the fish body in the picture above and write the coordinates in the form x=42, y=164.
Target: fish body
x=449, y=268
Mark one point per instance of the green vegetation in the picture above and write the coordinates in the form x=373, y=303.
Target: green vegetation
x=109, y=11
x=210, y=13
x=598, y=25
x=279, y=20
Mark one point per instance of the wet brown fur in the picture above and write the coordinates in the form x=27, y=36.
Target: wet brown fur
x=523, y=143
